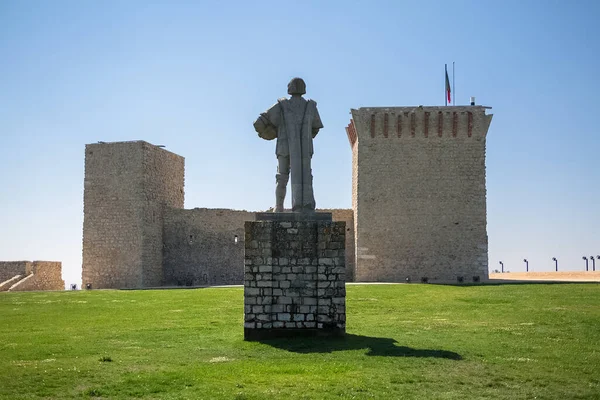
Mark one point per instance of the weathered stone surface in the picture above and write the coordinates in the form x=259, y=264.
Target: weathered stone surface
x=200, y=247
x=9, y=269
x=127, y=187
x=296, y=302
x=287, y=217
x=420, y=211
x=418, y=193
x=33, y=275
x=137, y=234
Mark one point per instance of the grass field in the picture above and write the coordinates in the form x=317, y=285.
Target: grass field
x=514, y=341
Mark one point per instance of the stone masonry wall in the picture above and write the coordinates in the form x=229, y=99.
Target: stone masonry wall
x=347, y=216
x=199, y=246
x=7, y=284
x=419, y=193
x=137, y=234
x=35, y=275
x=8, y=269
x=127, y=186
x=42, y=275
x=294, y=278
x=163, y=189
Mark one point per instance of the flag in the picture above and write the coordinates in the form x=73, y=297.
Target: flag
x=447, y=85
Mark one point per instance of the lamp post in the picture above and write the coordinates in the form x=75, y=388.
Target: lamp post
x=586, y=262
x=526, y=265
x=502, y=264
x=593, y=263
x=555, y=263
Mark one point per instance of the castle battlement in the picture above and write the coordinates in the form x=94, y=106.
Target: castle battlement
x=418, y=122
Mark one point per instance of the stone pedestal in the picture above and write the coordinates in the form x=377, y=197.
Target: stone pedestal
x=295, y=272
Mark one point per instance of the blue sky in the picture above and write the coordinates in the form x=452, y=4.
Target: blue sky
x=194, y=75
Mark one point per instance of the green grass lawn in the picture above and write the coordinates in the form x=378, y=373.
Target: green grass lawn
x=404, y=341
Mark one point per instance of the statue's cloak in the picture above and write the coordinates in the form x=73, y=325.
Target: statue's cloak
x=294, y=120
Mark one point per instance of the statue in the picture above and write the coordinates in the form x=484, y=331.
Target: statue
x=294, y=122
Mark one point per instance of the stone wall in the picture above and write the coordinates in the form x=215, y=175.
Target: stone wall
x=35, y=275
x=126, y=189
x=137, y=234
x=7, y=284
x=42, y=275
x=200, y=247
x=163, y=189
x=419, y=193
x=294, y=278
x=8, y=269
x=347, y=216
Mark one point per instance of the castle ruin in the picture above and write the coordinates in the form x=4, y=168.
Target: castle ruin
x=418, y=207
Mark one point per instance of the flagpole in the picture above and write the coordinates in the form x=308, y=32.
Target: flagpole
x=445, y=89
x=453, y=87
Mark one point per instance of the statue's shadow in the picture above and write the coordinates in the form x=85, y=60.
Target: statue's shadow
x=376, y=346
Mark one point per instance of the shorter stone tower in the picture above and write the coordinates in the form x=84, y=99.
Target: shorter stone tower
x=418, y=193
x=127, y=187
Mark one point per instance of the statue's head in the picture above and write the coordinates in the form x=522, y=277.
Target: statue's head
x=297, y=86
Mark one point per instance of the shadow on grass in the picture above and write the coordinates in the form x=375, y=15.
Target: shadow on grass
x=377, y=346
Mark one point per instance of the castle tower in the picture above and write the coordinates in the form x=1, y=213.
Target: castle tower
x=126, y=189
x=418, y=193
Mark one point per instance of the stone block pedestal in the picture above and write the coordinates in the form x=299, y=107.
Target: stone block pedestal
x=295, y=273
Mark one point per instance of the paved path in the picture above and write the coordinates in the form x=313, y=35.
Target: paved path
x=565, y=276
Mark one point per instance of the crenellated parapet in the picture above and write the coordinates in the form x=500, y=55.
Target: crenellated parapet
x=418, y=122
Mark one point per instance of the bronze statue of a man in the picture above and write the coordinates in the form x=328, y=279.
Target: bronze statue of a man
x=294, y=122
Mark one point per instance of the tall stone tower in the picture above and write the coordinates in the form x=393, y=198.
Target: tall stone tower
x=126, y=189
x=419, y=195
